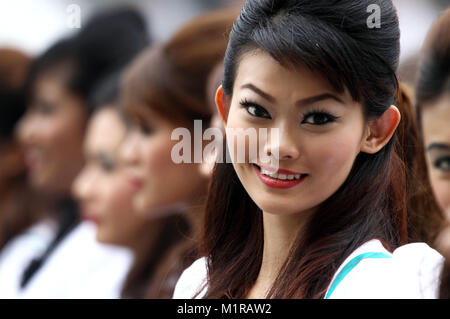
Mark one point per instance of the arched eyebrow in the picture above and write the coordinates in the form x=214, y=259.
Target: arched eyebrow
x=317, y=98
x=438, y=146
x=260, y=92
x=302, y=102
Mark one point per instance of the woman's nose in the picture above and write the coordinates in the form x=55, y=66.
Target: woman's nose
x=26, y=130
x=283, y=143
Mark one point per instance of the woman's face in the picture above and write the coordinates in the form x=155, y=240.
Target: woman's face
x=320, y=133
x=436, y=133
x=103, y=187
x=162, y=185
x=52, y=133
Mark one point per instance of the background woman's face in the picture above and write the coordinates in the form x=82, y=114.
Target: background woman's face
x=162, y=184
x=321, y=133
x=436, y=133
x=52, y=133
x=103, y=186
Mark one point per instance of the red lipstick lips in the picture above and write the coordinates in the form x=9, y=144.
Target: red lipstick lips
x=136, y=183
x=279, y=183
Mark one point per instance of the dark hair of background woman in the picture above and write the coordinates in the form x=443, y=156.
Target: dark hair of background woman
x=332, y=38
x=433, y=81
x=106, y=44
x=424, y=216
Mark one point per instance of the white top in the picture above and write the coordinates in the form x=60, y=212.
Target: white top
x=370, y=272
x=18, y=253
x=80, y=267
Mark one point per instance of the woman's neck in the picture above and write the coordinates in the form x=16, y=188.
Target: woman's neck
x=280, y=232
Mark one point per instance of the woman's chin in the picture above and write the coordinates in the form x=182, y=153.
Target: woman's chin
x=275, y=205
x=274, y=208
x=141, y=206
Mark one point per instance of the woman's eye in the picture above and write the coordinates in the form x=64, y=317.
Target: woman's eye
x=106, y=162
x=145, y=129
x=255, y=110
x=443, y=164
x=44, y=108
x=318, y=118
x=107, y=165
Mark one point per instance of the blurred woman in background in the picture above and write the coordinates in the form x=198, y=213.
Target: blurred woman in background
x=433, y=109
x=103, y=188
x=166, y=88
x=60, y=83
x=433, y=101
x=15, y=215
x=19, y=208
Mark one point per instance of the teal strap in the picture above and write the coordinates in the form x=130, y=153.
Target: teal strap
x=349, y=266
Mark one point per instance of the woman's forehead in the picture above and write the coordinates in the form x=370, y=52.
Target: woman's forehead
x=106, y=130
x=259, y=68
x=436, y=119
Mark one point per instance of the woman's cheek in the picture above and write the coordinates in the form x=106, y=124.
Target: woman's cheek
x=62, y=133
x=332, y=158
x=441, y=189
x=121, y=193
x=156, y=158
x=49, y=132
x=49, y=142
x=241, y=137
x=159, y=156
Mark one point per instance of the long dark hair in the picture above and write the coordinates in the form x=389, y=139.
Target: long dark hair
x=331, y=38
x=425, y=218
x=432, y=82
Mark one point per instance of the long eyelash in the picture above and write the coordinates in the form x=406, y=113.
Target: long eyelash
x=320, y=111
x=108, y=166
x=247, y=103
x=143, y=127
x=437, y=163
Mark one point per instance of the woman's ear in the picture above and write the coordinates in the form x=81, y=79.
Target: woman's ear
x=380, y=131
x=223, y=105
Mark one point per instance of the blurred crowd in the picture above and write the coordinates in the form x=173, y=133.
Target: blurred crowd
x=92, y=204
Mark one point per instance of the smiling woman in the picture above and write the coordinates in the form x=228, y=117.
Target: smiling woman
x=104, y=190
x=321, y=133
x=327, y=82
